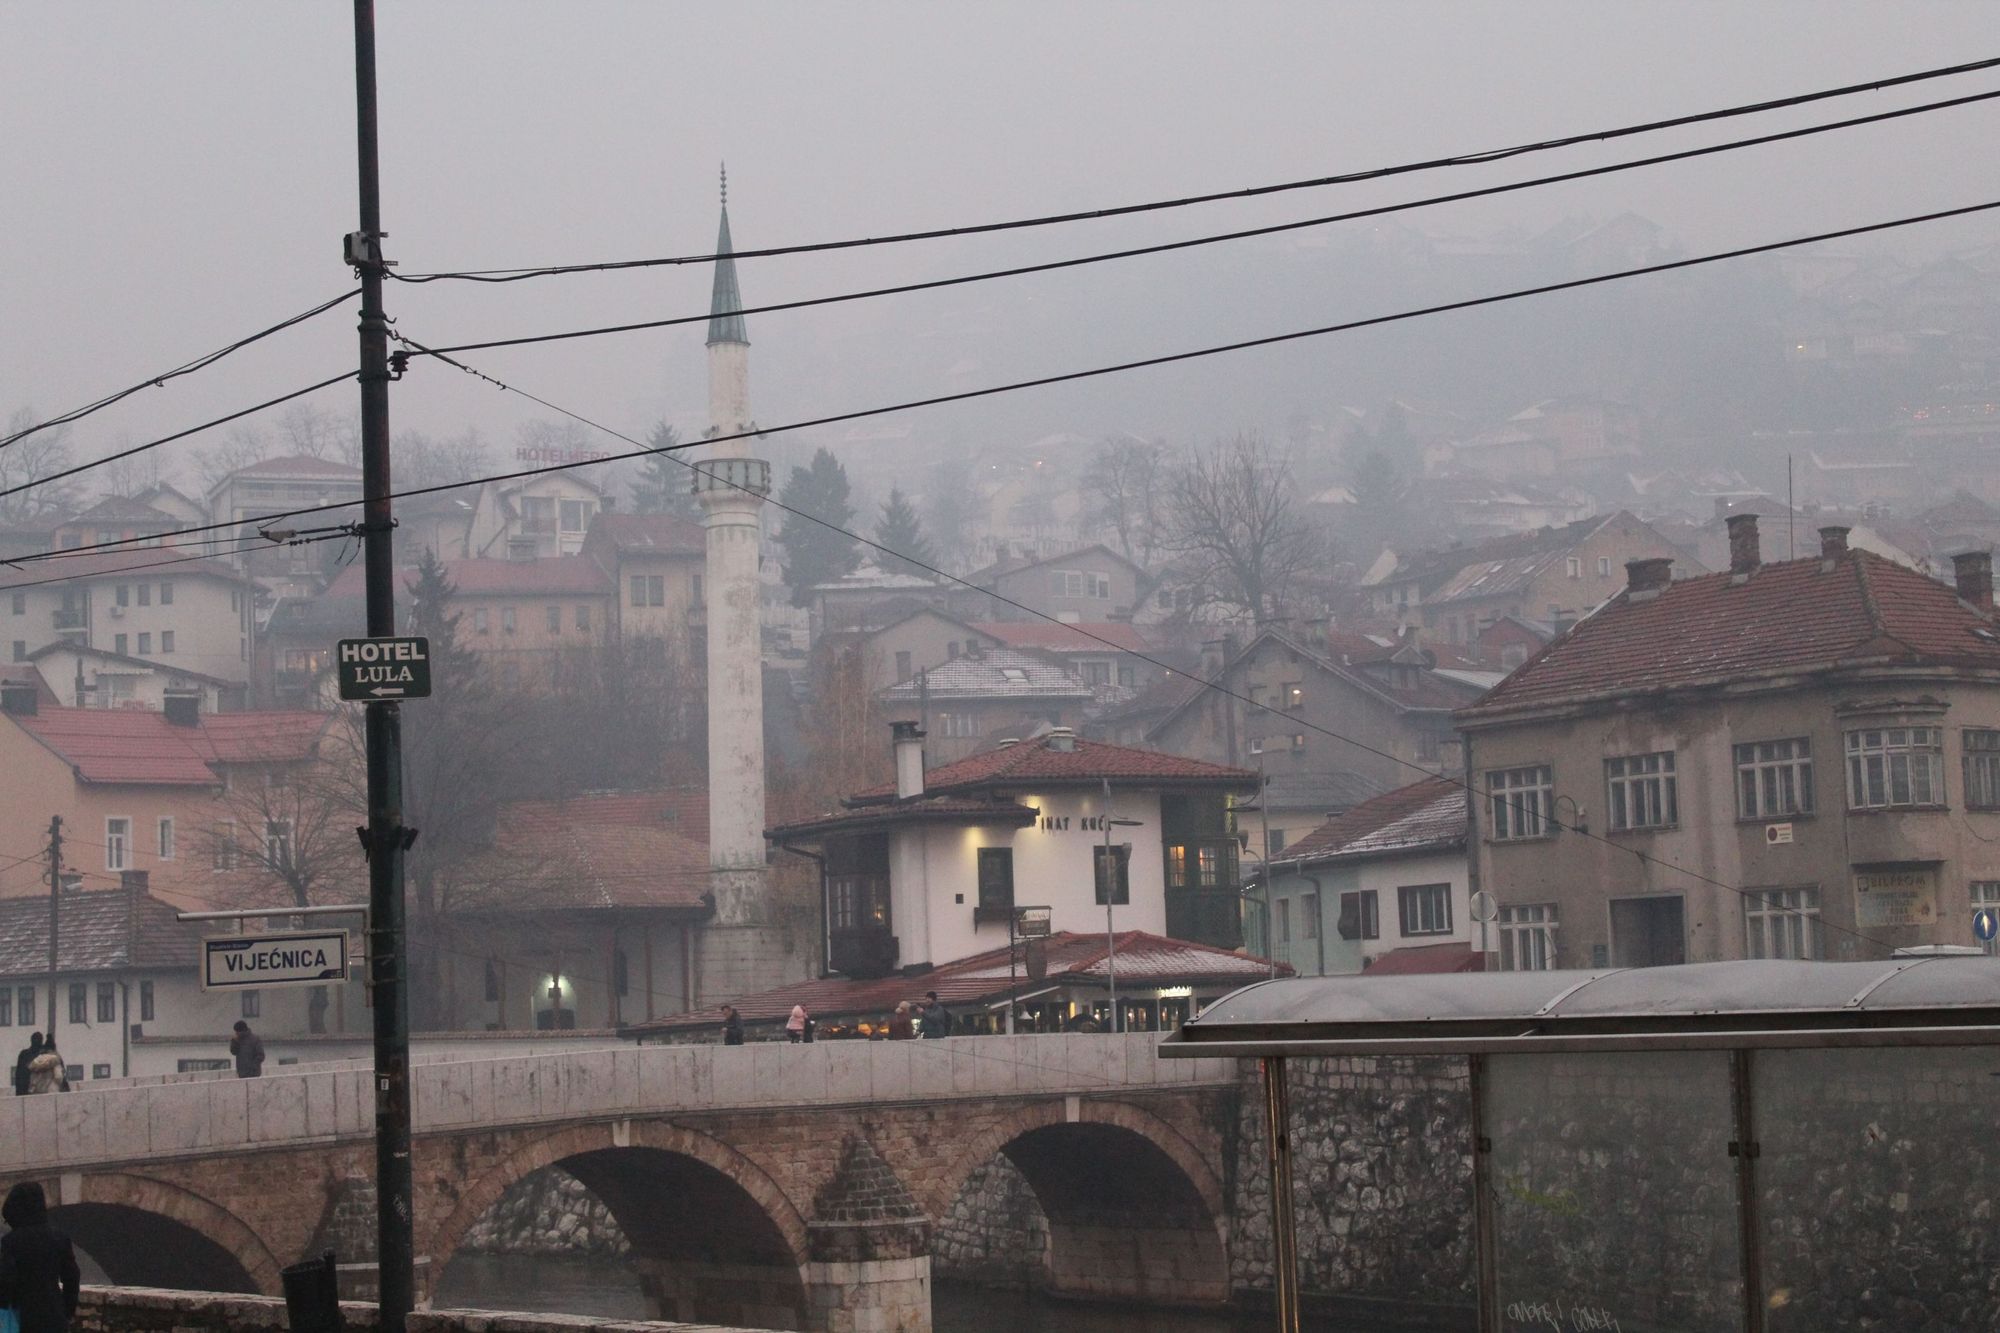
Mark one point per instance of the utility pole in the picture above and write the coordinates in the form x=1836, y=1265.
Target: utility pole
x=385, y=839
x=55, y=900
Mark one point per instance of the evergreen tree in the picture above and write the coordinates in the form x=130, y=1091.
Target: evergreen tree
x=662, y=486
x=901, y=532
x=813, y=552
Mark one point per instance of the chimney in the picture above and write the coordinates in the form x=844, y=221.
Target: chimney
x=907, y=738
x=1645, y=578
x=20, y=698
x=1743, y=554
x=134, y=881
x=1832, y=542
x=182, y=708
x=1062, y=740
x=1973, y=571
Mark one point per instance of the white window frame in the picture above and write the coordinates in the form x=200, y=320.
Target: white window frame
x=279, y=844
x=1783, y=923
x=1641, y=792
x=1880, y=759
x=1980, y=748
x=1774, y=779
x=1423, y=910
x=1573, y=566
x=1528, y=937
x=118, y=842
x=1520, y=803
x=1986, y=893
x=224, y=857
x=166, y=833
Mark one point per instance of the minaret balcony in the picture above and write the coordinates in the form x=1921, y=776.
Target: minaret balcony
x=732, y=474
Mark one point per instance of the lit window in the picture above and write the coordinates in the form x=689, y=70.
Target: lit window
x=1774, y=779
x=1522, y=801
x=1528, y=937
x=1982, y=769
x=1294, y=694
x=1425, y=909
x=1895, y=766
x=1986, y=893
x=1782, y=923
x=1643, y=791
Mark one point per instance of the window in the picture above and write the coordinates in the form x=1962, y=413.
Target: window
x=20, y=604
x=145, y=594
x=1284, y=906
x=253, y=1004
x=278, y=843
x=79, y=1002
x=107, y=1002
x=621, y=973
x=1527, y=937
x=1208, y=866
x=492, y=980
x=203, y=1066
x=1298, y=742
x=1079, y=583
x=1360, y=916
x=538, y=514
x=1014, y=675
x=145, y=1002
x=24, y=1006
x=6, y=1006
x=166, y=594
x=958, y=726
x=118, y=844
x=639, y=590
x=1782, y=923
x=145, y=644
x=118, y=644
x=1256, y=745
x=694, y=587
x=996, y=879
x=902, y=666
x=1522, y=802
x=1293, y=693
x=1573, y=567
x=100, y=1071
x=1643, y=791
x=1309, y=916
x=1982, y=769
x=20, y=650
x=479, y=625
x=1097, y=673
x=1114, y=870
x=554, y=614
x=224, y=840
x=1603, y=566
x=1895, y=766
x=166, y=641
x=123, y=595
x=506, y=620
x=1127, y=677
x=1274, y=841
x=167, y=839
x=1986, y=893
x=1774, y=779
x=649, y=590
x=1425, y=909
x=574, y=514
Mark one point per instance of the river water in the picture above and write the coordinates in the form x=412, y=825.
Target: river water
x=608, y=1288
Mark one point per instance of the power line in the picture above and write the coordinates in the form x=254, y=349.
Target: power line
x=178, y=435
x=1465, y=784
x=1066, y=377
x=177, y=560
x=188, y=368
x=1377, y=173
x=1217, y=238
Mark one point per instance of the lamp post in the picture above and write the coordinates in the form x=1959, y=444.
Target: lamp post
x=1107, y=879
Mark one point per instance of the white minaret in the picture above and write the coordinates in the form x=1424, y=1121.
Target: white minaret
x=731, y=486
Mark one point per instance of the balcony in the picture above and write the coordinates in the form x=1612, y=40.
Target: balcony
x=68, y=620
x=734, y=474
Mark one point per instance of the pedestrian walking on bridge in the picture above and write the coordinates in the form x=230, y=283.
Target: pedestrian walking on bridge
x=248, y=1048
x=38, y=1272
x=23, y=1061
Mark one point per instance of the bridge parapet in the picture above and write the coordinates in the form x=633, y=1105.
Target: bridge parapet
x=282, y=1110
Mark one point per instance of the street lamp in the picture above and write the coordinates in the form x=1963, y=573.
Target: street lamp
x=1107, y=877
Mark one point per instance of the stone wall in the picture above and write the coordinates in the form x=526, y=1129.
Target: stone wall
x=995, y=1232
x=548, y=1212
x=149, y=1310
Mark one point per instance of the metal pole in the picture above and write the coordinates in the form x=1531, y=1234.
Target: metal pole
x=1284, y=1232
x=1745, y=1149
x=1485, y=1244
x=1109, y=885
x=55, y=898
x=395, y=1252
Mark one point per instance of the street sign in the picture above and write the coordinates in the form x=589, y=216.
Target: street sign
x=1986, y=924
x=377, y=670
x=1031, y=922
x=1484, y=907
x=296, y=958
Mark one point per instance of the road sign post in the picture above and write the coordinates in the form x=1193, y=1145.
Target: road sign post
x=378, y=670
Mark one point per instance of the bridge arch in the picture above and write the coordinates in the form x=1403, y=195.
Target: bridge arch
x=1135, y=1211
x=713, y=1237
x=149, y=1233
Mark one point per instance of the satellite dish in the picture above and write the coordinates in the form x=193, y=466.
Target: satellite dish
x=1484, y=907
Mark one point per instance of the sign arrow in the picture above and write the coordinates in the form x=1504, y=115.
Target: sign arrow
x=381, y=690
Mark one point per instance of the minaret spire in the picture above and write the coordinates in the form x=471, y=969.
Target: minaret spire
x=725, y=303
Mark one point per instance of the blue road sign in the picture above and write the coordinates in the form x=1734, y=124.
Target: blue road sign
x=1986, y=923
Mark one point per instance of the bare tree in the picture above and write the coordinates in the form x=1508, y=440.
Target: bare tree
x=1122, y=492
x=1234, y=520
x=239, y=447
x=29, y=462
x=312, y=431
x=428, y=460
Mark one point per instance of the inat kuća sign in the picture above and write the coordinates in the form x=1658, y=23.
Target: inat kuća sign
x=298, y=958
x=374, y=670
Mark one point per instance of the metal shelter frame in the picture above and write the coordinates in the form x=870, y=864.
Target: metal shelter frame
x=1739, y=1008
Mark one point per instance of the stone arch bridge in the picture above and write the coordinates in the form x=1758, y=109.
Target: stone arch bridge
x=773, y=1186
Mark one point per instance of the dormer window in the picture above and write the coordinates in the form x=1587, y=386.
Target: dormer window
x=1014, y=675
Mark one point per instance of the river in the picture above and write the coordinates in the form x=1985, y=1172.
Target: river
x=608, y=1289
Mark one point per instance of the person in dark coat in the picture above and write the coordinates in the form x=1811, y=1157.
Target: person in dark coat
x=248, y=1048
x=732, y=1026
x=38, y=1273
x=22, y=1061
x=937, y=1018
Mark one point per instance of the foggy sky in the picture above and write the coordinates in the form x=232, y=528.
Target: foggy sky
x=180, y=175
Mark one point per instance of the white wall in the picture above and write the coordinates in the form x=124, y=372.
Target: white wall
x=1384, y=875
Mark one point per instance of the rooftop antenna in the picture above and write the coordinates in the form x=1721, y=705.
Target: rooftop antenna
x=1791, y=515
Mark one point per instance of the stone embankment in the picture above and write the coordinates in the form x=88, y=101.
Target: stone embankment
x=149, y=1310
x=549, y=1212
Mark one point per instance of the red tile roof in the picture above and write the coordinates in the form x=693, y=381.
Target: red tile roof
x=1426, y=960
x=1089, y=637
x=1039, y=762
x=599, y=850
x=1072, y=959
x=297, y=465
x=550, y=576
x=1785, y=618
x=128, y=746
x=666, y=534
x=1424, y=816
x=98, y=931
x=944, y=809
x=113, y=562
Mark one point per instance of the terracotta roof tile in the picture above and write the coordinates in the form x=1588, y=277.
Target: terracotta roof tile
x=669, y=534
x=98, y=931
x=1424, y=815
x=1787, y=617
x=130, y=746
x=945, y=809
x=1037, y=761
x=600, y=850
x=1426, y=960
x=548, y=576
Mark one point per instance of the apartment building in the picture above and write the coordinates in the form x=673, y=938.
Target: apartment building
x=1789, y=760
x=197, y=616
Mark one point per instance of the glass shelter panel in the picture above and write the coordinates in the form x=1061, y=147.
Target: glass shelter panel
x=1876, y=1180
x=1613, y=1193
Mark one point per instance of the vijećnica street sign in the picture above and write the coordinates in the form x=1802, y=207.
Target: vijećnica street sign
x=294, y=958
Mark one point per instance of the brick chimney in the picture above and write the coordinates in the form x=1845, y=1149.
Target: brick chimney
x=1832, y=542
x=907, y=738
x=1644, y=578
x=1744, y=556
x=1973, y=572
